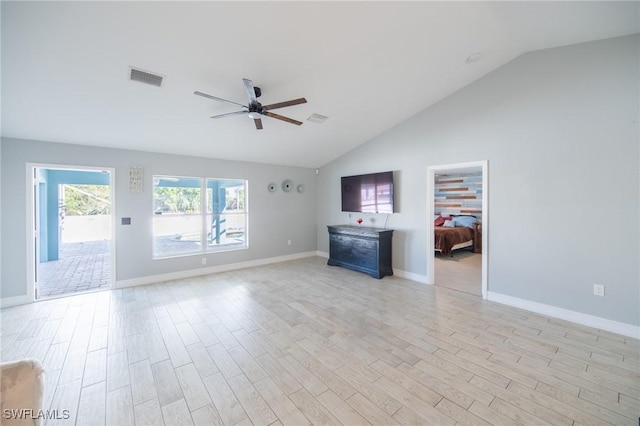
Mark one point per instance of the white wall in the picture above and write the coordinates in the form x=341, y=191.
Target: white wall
x=559, y=128
x=274, y=218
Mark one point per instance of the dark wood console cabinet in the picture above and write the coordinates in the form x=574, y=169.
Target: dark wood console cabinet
x=362, y=249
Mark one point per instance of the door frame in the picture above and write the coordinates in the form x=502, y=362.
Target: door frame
x=458, y=168
x=31, y=220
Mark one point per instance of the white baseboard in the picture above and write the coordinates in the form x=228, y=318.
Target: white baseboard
x=150, y=279
x=396, y=272
x=624, y=329
x=5, y=302
x=411, y=276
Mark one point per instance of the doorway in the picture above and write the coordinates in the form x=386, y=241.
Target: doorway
x=72, y=225
x=451, y=194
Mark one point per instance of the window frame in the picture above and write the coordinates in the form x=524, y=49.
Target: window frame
x=206, y=203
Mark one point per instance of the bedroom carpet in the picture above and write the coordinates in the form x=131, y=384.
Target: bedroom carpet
x=300, y=343
x=462, y=272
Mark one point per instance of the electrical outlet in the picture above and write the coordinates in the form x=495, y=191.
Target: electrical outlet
x=204, y=260
x=288, y=242
x=598, y=289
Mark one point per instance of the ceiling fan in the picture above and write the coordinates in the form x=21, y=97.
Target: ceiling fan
x=255, y=109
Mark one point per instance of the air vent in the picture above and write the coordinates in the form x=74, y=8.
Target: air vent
x=146, y=77
x=317, y=118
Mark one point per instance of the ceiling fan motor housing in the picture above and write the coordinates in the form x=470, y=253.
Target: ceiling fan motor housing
x=256, y=107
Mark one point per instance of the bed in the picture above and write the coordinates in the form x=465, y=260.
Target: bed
x=451, y=238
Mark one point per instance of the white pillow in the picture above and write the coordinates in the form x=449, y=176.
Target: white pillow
x=449, y=224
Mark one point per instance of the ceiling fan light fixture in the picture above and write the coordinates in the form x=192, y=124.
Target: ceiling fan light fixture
x=254, y=115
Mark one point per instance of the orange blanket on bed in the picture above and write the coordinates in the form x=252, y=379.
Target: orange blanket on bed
x=446, y=238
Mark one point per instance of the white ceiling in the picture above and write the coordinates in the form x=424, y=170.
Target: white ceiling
x=366, y=65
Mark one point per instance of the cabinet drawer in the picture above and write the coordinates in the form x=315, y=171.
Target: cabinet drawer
x=361, y=252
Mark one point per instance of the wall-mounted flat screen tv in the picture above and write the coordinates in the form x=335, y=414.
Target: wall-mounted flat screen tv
x=370, y=193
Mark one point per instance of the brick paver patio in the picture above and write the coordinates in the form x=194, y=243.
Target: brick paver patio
x=83, y=266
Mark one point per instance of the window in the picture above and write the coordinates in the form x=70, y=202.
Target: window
x=196, y=215
x=226, y=214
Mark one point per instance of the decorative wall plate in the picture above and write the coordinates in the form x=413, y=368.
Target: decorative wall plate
x=287, y=185
x=300, y=188
x=272, y=187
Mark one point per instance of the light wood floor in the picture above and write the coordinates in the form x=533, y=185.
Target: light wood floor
x=304, y=343
x=462, y=271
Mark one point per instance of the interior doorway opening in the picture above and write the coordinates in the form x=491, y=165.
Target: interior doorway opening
x=457, y=202
x=72, y=225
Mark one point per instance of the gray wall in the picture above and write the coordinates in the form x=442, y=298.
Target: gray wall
x=1, y=244
x=273, y=218
x=559, y=128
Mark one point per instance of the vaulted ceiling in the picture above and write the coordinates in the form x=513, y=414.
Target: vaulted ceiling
x=366, y=65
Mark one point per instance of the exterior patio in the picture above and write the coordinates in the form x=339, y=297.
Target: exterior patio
x=83, y=266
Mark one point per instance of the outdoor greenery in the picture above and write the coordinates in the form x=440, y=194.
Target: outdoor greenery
x=236, y=202
x=177, y=200
x=234, y=198
x=84, y=200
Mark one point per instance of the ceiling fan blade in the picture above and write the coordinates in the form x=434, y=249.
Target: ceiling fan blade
x=285, y=104
x=258, y=122
x=283, y=118
x=251, y=92
x=228, y=114
x=217, y=99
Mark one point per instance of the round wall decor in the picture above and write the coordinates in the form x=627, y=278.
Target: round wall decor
x=272, y=187
x=287, y=185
